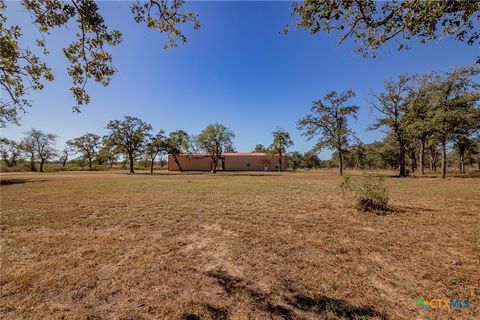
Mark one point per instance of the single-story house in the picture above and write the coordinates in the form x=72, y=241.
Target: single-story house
x=230, y=161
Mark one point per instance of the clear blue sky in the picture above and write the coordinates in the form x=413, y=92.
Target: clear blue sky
x=238, y=69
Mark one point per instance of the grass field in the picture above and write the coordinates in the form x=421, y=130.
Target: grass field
x=99, y=245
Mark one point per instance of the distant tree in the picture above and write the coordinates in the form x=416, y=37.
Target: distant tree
x=214, y=140
x=88, y=55
x=281, y=142
x=87, y=145
x=154, y=146
x=129, y=136
x=329, y=122
x=64, y=155
x=393, y=107
x=359, y=153
x=311, y=160
x=464, y=134
x=108, y=152
x=295, y=159
x=176, y=143
x=38, y=144
x=454, y=94
x=374, y=23
x=260, y=148
x=9, y=150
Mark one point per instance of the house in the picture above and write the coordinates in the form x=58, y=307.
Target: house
x=230, y=161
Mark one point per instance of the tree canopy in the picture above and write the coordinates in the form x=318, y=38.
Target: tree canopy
x=328, y=122
x=89, y=57
x=214, y=140
x=129, y=136
x=373, y=24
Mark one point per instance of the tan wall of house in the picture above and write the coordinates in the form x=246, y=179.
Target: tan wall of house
x=252, y=163
x=233, y=162
x=189, y=163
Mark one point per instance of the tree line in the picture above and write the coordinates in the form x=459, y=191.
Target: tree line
x=131, y=139
x=422, y=115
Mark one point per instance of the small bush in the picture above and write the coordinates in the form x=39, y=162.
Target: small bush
x=373, y=194
x=370, y=194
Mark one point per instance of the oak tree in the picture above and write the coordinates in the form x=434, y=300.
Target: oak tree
x=129, y=136
x=87, y=145
x=328, y=122
x=214, y=140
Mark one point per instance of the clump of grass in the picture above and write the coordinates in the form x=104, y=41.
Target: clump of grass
x=349, y=189
x=370, y=194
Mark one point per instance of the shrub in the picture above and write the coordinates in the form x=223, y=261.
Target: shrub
x=370, y=194
x=373, y=194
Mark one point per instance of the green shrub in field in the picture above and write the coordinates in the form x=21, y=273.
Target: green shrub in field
x=370, y=194
x=373, y=194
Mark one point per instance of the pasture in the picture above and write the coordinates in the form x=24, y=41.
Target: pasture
x=109, y=245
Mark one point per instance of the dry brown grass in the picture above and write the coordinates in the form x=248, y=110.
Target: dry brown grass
x=233, y=246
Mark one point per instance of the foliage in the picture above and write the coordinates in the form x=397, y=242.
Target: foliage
x=281, y=142
x=129, y=136
x=9, y=151
x=328, y=122
x=87, y=145
x=154, y=146
x=370, y=194
x=392, y=105
x=372, y=23
x=214, y=140
x=295, y=159
x=260, y=148
x=38, y=144
x=373, y=194
x=88, y=55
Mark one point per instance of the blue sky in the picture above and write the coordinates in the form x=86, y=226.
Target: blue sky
x=238, y=69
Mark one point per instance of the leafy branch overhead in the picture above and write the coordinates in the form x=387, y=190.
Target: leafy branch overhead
x=374, y=23
x=89, y=56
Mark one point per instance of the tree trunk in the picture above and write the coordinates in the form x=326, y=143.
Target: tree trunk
x=340, y=162
x=444, y=159
x=421, y=156
x=9, y=163
x=279, y=161
x=64, y=162
x=151, y=166
x=177, y=162
x=402, y=172
x=41, y=165
x=214, y=165
x=462, y=161
x=90, y=163
x=130, y=158
x=32, y=164
x=413, y=159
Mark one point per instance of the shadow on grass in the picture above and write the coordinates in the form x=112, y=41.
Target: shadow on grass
x=409, y=209
x=338, y=307
x=293, y=304
x=7, y=182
